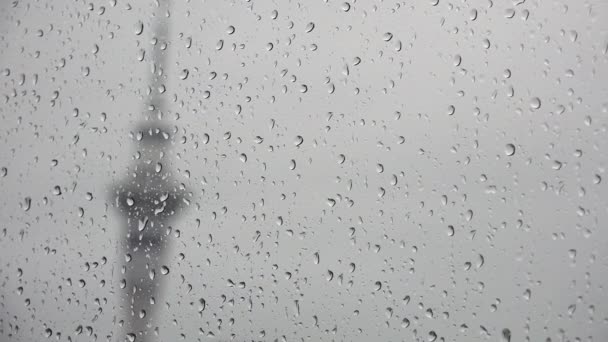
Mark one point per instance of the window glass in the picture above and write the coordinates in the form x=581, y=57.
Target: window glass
x=251, y=170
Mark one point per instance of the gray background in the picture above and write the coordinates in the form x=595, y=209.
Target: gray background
x=529, y=252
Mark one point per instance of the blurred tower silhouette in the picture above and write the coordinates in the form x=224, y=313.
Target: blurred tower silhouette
x=149, y=198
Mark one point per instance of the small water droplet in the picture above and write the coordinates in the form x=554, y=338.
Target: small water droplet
x=316, y=258
x=184, y=74
x=139, y=28
x=309, y=27
x=377, y=286
x=506, y=335
x=451, y=110
x=510, y=149
x=164, y=270
x=535, y=103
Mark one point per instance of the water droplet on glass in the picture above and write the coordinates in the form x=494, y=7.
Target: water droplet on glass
x=510, y=149
x=164, y=270
x=184, y=74
x=535, y=103
x=298, y=140
x=139, y=28
x=451, y=110
x=506, y=335
x=309, y=27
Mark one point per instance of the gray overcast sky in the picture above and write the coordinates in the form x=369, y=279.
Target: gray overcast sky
x=445, y=162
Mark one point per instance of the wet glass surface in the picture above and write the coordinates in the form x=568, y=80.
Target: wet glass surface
x=303, y=171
